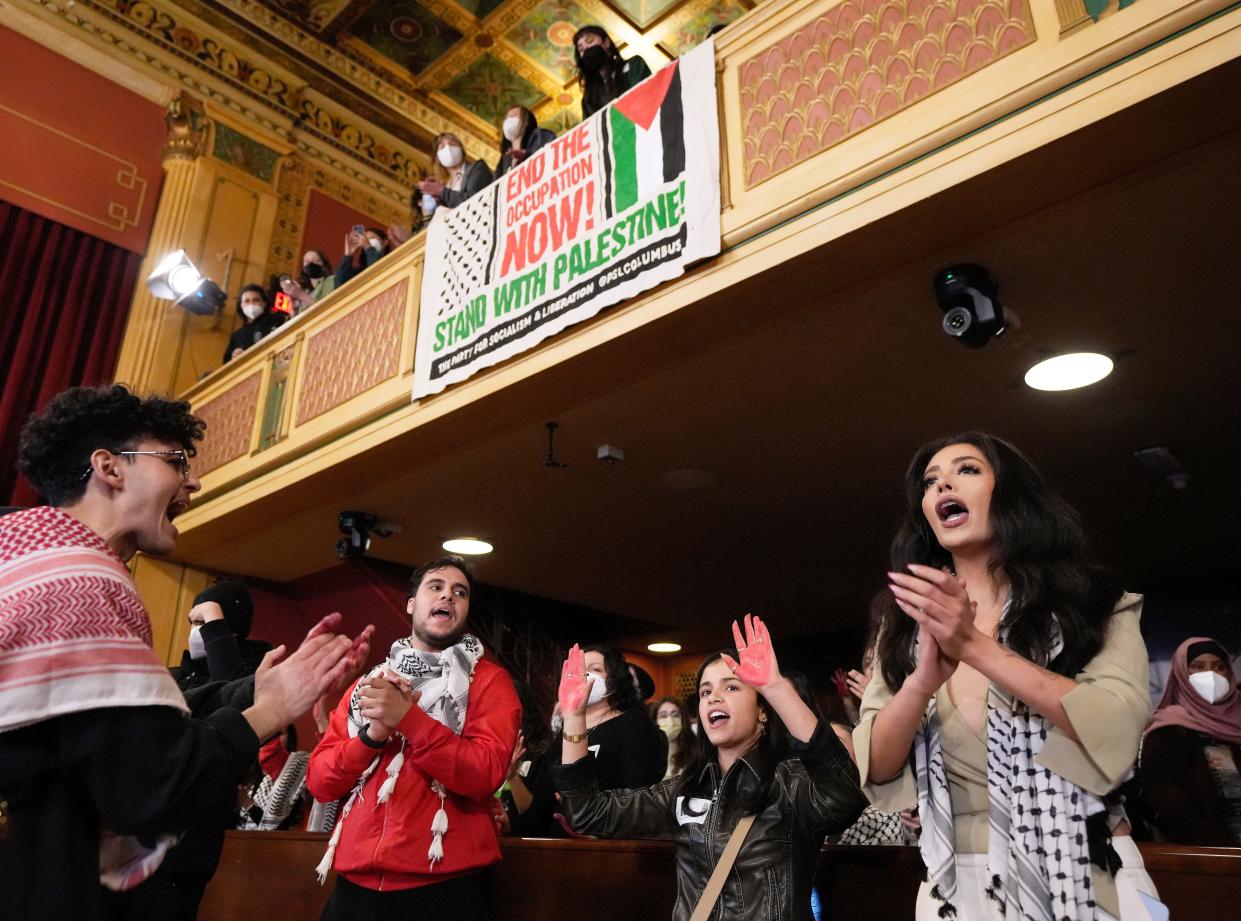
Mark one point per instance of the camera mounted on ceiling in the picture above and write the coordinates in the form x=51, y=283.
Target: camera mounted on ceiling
x=967, y=295
x=358, y=528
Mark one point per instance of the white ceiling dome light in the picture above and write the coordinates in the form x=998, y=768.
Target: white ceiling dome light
x=1069, y=372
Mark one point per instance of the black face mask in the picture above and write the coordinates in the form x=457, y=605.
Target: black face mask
x=314, y=270
x=594, y=57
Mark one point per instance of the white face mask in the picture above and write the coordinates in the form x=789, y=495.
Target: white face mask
x=449, y=156
x=252, y=310
x=1211, y=686
x=512, y=128
x=598, y=689
x=198, y=649
x=375, y=242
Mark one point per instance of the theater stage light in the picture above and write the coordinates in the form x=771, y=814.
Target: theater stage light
x=174, y=277
x=1069, y=372
x=471, y=546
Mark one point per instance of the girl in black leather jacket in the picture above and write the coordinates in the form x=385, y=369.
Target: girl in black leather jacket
x=761, y=751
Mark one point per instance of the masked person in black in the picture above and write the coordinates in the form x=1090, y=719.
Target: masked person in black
x=220, y=621
x=602, y=73
x=520, y=136
x=258, y=320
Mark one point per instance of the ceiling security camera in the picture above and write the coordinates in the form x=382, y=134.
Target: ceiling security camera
x=356, y=526
x=968, y=297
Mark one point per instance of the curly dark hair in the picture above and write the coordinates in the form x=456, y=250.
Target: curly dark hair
x=1038, y=542
x=56, y=444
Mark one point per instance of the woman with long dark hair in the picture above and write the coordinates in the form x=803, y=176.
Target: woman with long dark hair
x=673, y=722
x=761, y=753
x=1012, y=674
x=601, y=71
x=258, y=319
x=629, y=751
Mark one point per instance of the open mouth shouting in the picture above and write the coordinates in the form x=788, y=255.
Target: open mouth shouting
x=441, y=614
x=175, y=508
x=716, y=718
x=952, y=512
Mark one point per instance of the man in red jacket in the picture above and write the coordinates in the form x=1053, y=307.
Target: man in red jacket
x=422, y=741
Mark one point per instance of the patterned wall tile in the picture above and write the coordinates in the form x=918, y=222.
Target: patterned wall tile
x=643, y=12
x=405, y=33
x=230, y=420
x=546, y=34
x=861, y=62
x=245, y=153
x=684, y=36
x=358, y=351
x=489, y=89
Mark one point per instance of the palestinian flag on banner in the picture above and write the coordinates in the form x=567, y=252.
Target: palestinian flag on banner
x=644, y=131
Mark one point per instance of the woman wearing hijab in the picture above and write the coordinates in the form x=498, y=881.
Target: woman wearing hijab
x=1191, y=753
x=520, y=136
x=601, y=71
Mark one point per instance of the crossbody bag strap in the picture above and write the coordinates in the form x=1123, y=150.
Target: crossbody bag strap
x=715, y=884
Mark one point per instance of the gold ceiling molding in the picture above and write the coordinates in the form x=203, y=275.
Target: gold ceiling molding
x=378, y=83
x=187, y=130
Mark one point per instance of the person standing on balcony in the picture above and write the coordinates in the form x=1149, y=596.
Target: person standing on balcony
x=520, y=137
x=601, y=71
x=423, y=741
x=455, y=176
x=258, y=319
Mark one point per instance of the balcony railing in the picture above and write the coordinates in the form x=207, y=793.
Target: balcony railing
x=832, y=115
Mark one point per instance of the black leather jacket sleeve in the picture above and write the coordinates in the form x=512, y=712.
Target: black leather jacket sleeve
x=826, y=796
x=640, y=813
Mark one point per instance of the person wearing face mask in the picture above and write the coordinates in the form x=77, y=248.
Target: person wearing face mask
x=767, y=780
x=315, y=282
x=673, y=723
x=219, y=650
x=629, y=750
x=1190, y=765
x=601, y=71
x=455, y=176
x=520, y=136
x=257, y=320
x=363, y=248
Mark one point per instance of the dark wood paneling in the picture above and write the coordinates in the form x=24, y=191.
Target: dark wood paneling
x=271, y=875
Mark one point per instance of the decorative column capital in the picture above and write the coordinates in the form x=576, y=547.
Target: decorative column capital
x=187, y=129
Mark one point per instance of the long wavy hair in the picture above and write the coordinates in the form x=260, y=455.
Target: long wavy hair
x=598, y=86
x=773, y=744
x=679, y=746
x=1037, y=541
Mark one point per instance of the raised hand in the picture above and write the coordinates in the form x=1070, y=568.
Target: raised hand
x=757, y=667
x=938, y=601
x=857, y=682
x=575, y=683
x=354, y=658
x=840, y=680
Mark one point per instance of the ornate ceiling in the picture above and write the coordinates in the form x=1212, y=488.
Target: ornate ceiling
x=473, y=59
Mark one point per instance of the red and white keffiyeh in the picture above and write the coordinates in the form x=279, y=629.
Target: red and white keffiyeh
x=74, y=636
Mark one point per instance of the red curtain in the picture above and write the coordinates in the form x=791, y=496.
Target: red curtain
x=64, y=297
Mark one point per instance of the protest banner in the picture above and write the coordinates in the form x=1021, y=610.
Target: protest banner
x=620, y=203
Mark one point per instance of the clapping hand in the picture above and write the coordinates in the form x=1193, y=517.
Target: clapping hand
x=575, y=683
x=757, y=667
x=938, y=601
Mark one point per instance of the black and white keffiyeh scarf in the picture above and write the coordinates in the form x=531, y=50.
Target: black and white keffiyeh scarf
x=1038, y=855
x=278, y=796
x=444, y=679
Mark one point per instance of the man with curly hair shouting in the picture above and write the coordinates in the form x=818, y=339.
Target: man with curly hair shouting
x=100, y=768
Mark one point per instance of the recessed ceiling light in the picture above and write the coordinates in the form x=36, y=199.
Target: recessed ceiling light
x=1068, y=372
x=470, y=546
x=664, y=647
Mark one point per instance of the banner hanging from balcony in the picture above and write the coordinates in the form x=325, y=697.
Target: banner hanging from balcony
x=615, y=206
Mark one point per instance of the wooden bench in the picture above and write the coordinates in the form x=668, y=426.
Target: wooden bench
x=267, y=875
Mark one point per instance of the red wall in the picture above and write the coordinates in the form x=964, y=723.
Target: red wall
x=77, y=148
x=327, y=222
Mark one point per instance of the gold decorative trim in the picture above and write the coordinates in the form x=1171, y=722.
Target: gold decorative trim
x=230, y=425
x=127, y=176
